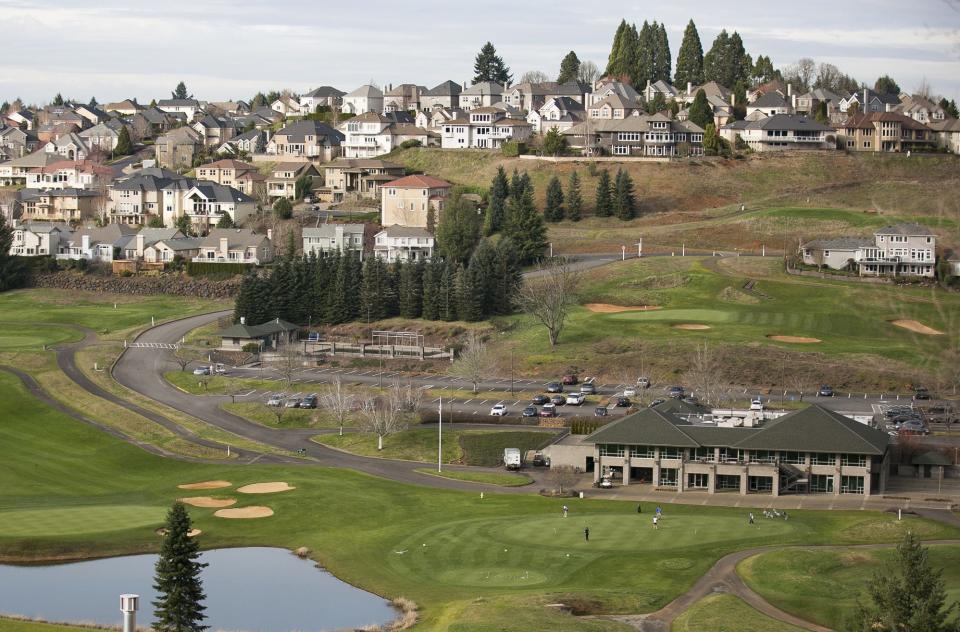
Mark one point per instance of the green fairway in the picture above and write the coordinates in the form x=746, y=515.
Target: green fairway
x=59, y=521
x=489, y=478
x=14, y=625
x=824, y=585
x=726, y=613
x=16, y=337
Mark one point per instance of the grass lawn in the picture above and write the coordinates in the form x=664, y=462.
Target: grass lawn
x=292, y=417
x=15, y=625
x=470, y=447
x=486, y=565
x=726, y=613
x=16, y=336
x=824, y=585
x=490, y=478
x=217, y=384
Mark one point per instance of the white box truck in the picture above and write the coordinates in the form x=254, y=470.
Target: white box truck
x=511, y=458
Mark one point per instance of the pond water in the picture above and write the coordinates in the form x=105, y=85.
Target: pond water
x=251, y=589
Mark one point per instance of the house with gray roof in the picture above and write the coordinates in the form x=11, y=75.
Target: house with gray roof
x=560, y=113
x=644, y=135
x=268, y=335
x=37, y=239
x=207, y=202
x=235, y=245
x=403, y=243
x=898, y=250
x=176, y=148
x=333, y=238
x=445, y=95
x=187, y=107
x=770, y=104
x=324, y=96
x=95, y=243
x=366, y=98
x=809, y=451
x=482, y=94
x=134, y=200
x=781, y=132
x=306, y=140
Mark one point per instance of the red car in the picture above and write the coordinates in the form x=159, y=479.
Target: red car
x=570, y=378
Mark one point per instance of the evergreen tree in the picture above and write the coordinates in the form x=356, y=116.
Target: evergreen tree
x=93, y=102
x=180, y=92
x=526, y=228
x=615, y=62
x=496, y=205
x=431, y=290
x=183, y=225
x=740, y=101
x=282, y=208
x=302, y=186
x=507, y=277
x=886, y=85
x=446, y=301
x=689, y=59
x=554, y=144
x=410, y=290
x=700, y=111
x=354, y=282
x=603, y=205
x=624, y=203
x=124, y=144
x=657, y=104
x=711, y=141
x=763, y=70
x=225, y=221
x=58, y=100
x=13, y=271
x=483, y=270
x=516, y=185
x=574, y=199
x=179, y=604
x=467, y=298
x=553, y=212
x=285, y=294
x=727, y=62
x=431, y=220
x=490, y=67
x=640, y=45
x=821, y=114
x=371, y=305
x=459, y=228
x=950, y=107
x=569, y=68
x=662, y=60
x=155, y=222
x=259, y=100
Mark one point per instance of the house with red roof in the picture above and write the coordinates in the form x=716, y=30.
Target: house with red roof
x=408, y=201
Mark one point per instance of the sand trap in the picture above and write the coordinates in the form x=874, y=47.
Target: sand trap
x=206, y=501
x=692, y=326
x=206, y=485
x=916, y=327
x=265, y=488
x=192, y=533
x=801, y=340
x=244, y=512
x=606, y=308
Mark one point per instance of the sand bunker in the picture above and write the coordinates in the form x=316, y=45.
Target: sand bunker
x=206, y=485
x=795, y=339
x=206, y=501
x=916, y=327
x=692, y=326
x=244, y=512
x=265, y=488
x=192, y=533
x=606, y=308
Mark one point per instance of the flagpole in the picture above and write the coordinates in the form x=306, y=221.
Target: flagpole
x=440, y=439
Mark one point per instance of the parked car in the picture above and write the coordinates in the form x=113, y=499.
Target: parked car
x=675, y=391
x=657, y=402
x=569, y=379
x=498, y=410
x=293, y=402
x=643, y=382
x=554, y=387
x=600, y=411
x=691, y=399
x=756, y=404
x=558, y=400
x=310, y=401
x=540, y=461
x=575, y=399
x=276, y=400
x=588, y=388
x=548, y=410
x=540, y=400
x=529, y=411
x=825, y=391
x=913, y=427
x=202, y=370
x=630, y=392
x=623, y=402
x=605, y=482
x=921, y=393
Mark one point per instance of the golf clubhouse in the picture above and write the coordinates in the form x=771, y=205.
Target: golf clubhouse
x=267, y=336
x=809, y=451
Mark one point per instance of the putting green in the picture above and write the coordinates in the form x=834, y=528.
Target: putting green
x=15, y=336
x=66, y=521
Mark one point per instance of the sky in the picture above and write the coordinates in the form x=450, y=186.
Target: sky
x=115, y=49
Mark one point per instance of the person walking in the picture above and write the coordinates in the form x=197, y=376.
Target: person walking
x=655, y=520
x=586, y=534
x=659, y=510
x=640, y=508
x=751, y=518
x=565, y=510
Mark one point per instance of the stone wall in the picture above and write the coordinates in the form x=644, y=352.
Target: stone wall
x=174, y=284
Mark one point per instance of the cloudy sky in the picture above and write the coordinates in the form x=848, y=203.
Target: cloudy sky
x=233, y=48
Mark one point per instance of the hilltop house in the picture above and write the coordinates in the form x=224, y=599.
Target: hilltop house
x=333, y=238
x=359, y=176
x=37, y=239
x=235, y=245
x=187, y=107
x=242, y=176
x=446, y=95
x=780, y=132
x=407, y=201
x=147, y=193
x=94, y=244
x=885, y=131
x=372, y=134
x=306, y=140
x=484, y=128
x=647, y=135
x=481, y=95
x=900, y=250
x=206, y=202
x=176, y=148
x=947, y=133
x=403, y=243
x=528, y=97
x=57, y=205
x=366, y=98
x=324, y=96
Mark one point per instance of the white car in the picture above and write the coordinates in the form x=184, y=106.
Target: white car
x=203, y=370
x=756, y=404
x=276, y=400
x=499, y=410
x=629, y=392
x=575, y=399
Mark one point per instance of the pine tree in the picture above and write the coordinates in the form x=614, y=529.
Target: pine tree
x=604, y=201
x=624, y=203
x=459, y=228
x=569, y=68
x=467, y=299
x=740, y=101
x=507, y=277
x=886, y=85
x=225, y=221
x=431, y=290
x=93, y=102
x=553, y=212
x=490, y=67
x=446, y=301
x=554, y=144
x=180, y=92
x=410, y=290
x=496, y=205
x=821, y=114
x=282, y=208
x=58, y=100
x=663, y=62
x=371, y=305
x=657, y=104
x=354, y=282
x=13, y=271
x=700, y=111
x=431, y=220
x=516, y=185
x=526, y=228
x=179, y=604
x=716, y=65
x=615, y=60
x=643, y=56
x=124, y=144
x=483, y=270
x=574, y=198
x=689, y=59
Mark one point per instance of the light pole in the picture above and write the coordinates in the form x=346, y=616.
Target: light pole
x=511, y=369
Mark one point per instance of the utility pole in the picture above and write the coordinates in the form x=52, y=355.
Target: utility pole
x=511, y=369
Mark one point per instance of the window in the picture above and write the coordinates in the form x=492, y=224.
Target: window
x=702, y=454
x=854, y=460
x=621, y=150
x=671, y=453
x=668, y=476
x=611, y=450
x=642, y=452
x=823, y=458
x=794, y=458
x=729, y=455
x=763, y=456
x=698, y=481
x=851, y=484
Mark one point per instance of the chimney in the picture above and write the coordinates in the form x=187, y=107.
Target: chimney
x=140, y=244
x=689, y=88
x=270, y=234
x=224, y=245
x=128, y=606
x=789, y=89
x=793, y=102
x=84, y=243
x=243, y=320
x=863, y=106
x=733, y=98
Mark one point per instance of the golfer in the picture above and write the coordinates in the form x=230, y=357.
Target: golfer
x=655, y=519
x=565, y=510
x=586, y=534
x=751, y=518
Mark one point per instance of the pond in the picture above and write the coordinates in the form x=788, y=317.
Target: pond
x=251, y=589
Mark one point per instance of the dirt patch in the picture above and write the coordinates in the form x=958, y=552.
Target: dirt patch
x=265, y=488
x=916, y=327
x=206, y=501
x=192, y=533
x=606, y=308
x=244, y=512
x=691, y=326
x=206, y=485
x=800, y=340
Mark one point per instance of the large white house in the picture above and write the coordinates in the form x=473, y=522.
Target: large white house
x=481, y=95
x=333, y=238
x=899, y=250
x=484, y=128
x=366, y=98
x=781, y=132
x=235, y=245
x=403, y=243
x=36, y=239
x=206, y=203
x=372, y=134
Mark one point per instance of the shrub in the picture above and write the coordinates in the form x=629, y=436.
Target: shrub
x=409, y=144
x=512, y=148
x=211, y=269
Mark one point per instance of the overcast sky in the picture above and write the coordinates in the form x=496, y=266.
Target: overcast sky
x=227, y=49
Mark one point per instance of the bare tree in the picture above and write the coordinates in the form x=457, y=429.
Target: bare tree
x=827, y=76
x=261, y=195
x=534, y=76
x=588, y=73
x=923, y=88
x=185, y=355
x=563, y=477
x=382, y=416
x=547, y=295
x=337, y=401
x=704, y=374
x=287, y=362
x=474, y=362
x=801, y=72
x=408, y=396
x=278, y=412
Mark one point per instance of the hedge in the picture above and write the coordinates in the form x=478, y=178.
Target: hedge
x=209, y=268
